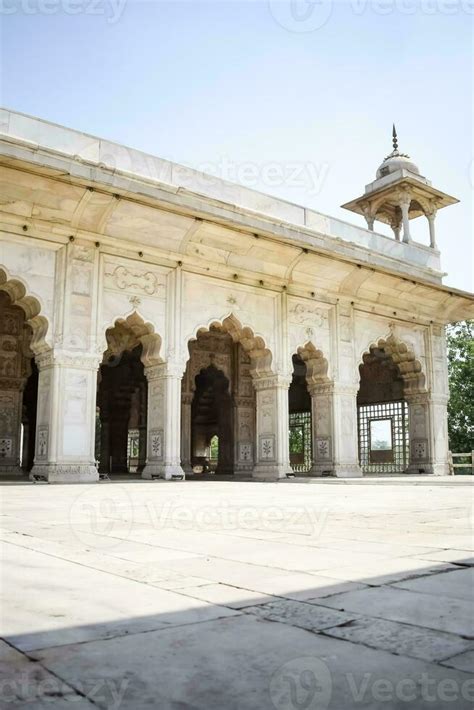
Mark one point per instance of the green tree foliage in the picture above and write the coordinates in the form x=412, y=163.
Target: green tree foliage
x=461, y=386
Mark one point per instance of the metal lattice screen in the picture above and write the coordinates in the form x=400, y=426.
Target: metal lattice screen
x=300, y=441
x=383, y=437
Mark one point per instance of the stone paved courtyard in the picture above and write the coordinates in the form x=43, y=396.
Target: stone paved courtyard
x=236, y=595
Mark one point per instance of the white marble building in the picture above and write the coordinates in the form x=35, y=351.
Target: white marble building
x=147, y=309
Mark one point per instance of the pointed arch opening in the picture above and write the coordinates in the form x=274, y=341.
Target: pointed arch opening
x=122, y=395
x=23, y=330
x=218, y=398
x=390, y=374
x=310, y=369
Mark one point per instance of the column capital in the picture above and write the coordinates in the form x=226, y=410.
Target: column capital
x=271, y=382
x=317, y=388
x=165, y=369
x=78, y=361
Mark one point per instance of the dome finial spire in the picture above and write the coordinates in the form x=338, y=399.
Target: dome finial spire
x=394, y=137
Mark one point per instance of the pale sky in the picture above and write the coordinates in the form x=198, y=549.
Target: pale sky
x=296, y=99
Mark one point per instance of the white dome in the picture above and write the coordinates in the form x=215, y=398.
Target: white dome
x=397, y=161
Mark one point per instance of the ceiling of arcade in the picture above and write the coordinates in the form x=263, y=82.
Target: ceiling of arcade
x=40, y=201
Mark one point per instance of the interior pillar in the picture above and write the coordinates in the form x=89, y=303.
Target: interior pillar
x=164, y=422
x=345, y=433
x=65, y=424
x=321, y=422
x=272, y=454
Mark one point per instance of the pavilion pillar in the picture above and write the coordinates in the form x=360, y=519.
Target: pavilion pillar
x=322, y=428
x=164, y=422
x=405, y=207
x=186, y=433
x=431, y=222
x=11, y=401
x=244, y=434
x=65, y=423
x=345, y=431
x=428, y=434
x=273, y=453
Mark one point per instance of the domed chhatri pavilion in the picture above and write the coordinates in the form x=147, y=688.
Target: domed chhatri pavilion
x=399, y=194
x=163, y=323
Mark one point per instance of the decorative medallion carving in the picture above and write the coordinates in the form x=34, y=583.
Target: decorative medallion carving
x=307, y=313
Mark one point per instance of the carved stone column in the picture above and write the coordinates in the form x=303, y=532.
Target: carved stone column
x=164, y=422
x=272, y=444
x=321, y=420
x=404, y=203
x=186, y=400
x=65, y=424
x=345, y=433
x=11, y=399
x=428, y=427
x=419, y=430
x=244, y=434
x=431, y=221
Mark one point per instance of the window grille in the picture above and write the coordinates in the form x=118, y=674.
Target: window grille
x=300, y=442
x=395, y=457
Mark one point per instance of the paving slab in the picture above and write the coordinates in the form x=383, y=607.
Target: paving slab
x=28, y=684
x=402, y=639
x=225, y=595
x=458, y=584
x=441, y=613
x=248, y=664
x=459, y=557
x=62, y=602
x=386, y=570
x=462, y=662
x=305, y=616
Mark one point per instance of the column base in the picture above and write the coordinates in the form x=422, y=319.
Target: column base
x=169, y=472
x=349, y=470
x=271, y=472
x=421, y=469
x=64, y=473
x=13, y=469
x=321, y=469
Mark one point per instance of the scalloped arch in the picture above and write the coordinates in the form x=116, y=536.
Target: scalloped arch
x=130, y=330
x=30, y=304
x=317, y=366
x=409, y=367
x=254, y=345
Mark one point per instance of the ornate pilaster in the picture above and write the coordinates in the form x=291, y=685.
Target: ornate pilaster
x=272, y=454
x=65, y=424
x=164, y=422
